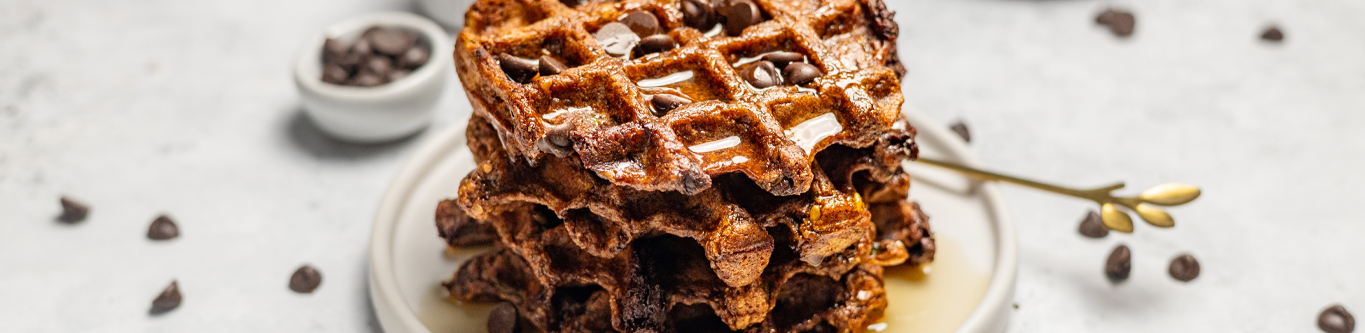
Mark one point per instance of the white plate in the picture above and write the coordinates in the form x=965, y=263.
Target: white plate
x=977, y=251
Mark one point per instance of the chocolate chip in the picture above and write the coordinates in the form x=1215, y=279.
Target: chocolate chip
x=362, y=46
x=740, y=15
x=782, y=59
x=1120, y=22
x=663, y=103
x=1184, y=268
x=1119, y=265
x=414, y=57
x=799, y=73
x=168, y=300
x=518, y=69
x=1336, y=320
x=305, y=280
x=961, y=130
x=616, y=38
x=557, y=140
x=391, y=41
x=1273, y=34
x=1092, y=226
x=335, y=74
x=657, y=43
x=162, y=229
x=642, y=23
x=367, y=80
x=503, y=319
x=571, y=3
x=397, y=74
x=550, y=66
x=698, y=14
x=761, y=74
x=333, y=50
x=378, y=65
x=73, y=211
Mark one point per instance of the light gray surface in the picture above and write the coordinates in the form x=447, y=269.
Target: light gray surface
x=186, y=108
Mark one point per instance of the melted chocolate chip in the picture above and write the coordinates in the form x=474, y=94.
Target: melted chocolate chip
x=799, y=73
x=616, y=38
x=642, y=23
x=305, y=280
x=73, y=211
x=1092, y=226
x=1119, y=265
x=557, y=140
x=168, y=300
x=163, y=228
x=1184, y=268
x=663, y=103
x=740, y=15
x=1336, y=320
x=503, y=319
x=518, y=69
x=698, y=14
x=657, y=43
x=550, y=66
x=782, y=59
x=761, y=74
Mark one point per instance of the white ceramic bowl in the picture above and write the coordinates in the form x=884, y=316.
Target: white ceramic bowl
x=448, y=12
x=969, y=218
x=379, y=113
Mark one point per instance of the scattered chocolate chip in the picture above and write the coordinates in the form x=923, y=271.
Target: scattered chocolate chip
x=1119, y=265
x=397, y=74
x=414, y=57
x=663, y=103
x=799, y=73
x=503, y=319
x=616, y=38
x=1092, y=226
x=73, y=211
x=518, y=69
x=741, y=14
x=367, y=80
x=1120, y=22
x=657, y=43
x=642, y=23
x=557, y=140
x=168, y=300
x=391, y=41
x=550, y=66
x=761, y=74
x=782, y=59
x=305, y=280
x=162, y=229
x=961, y=129
x=380, y=66
x=698, y=14
x=1336, y=320
x=335, y=74
x=1184, y=268
x=1273, y=34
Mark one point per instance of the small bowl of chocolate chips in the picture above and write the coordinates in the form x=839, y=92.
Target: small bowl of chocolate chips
x=374, y=78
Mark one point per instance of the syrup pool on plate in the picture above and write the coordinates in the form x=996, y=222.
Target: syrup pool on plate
x=935, y=297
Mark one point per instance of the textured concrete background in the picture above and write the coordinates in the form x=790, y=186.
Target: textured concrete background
x=143, y=107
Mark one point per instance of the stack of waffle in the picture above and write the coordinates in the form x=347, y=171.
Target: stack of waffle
x=733, y=206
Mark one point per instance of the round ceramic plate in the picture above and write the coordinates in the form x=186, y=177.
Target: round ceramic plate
x=967, y=289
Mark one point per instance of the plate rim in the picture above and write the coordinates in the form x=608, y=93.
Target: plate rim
x=394, y=314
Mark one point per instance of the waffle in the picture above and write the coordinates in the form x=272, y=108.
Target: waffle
x=597, y=109
x=663, y=284
x=729, y=220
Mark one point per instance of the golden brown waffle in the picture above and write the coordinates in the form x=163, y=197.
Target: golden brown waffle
x=658, y=283
x=728, y=220
x=598, y=110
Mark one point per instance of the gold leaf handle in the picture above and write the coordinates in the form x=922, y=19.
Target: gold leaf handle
x=1171, y=194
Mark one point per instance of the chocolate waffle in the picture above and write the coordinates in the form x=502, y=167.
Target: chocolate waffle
x=664, y=284
x=692, y=94
x=728, y=220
